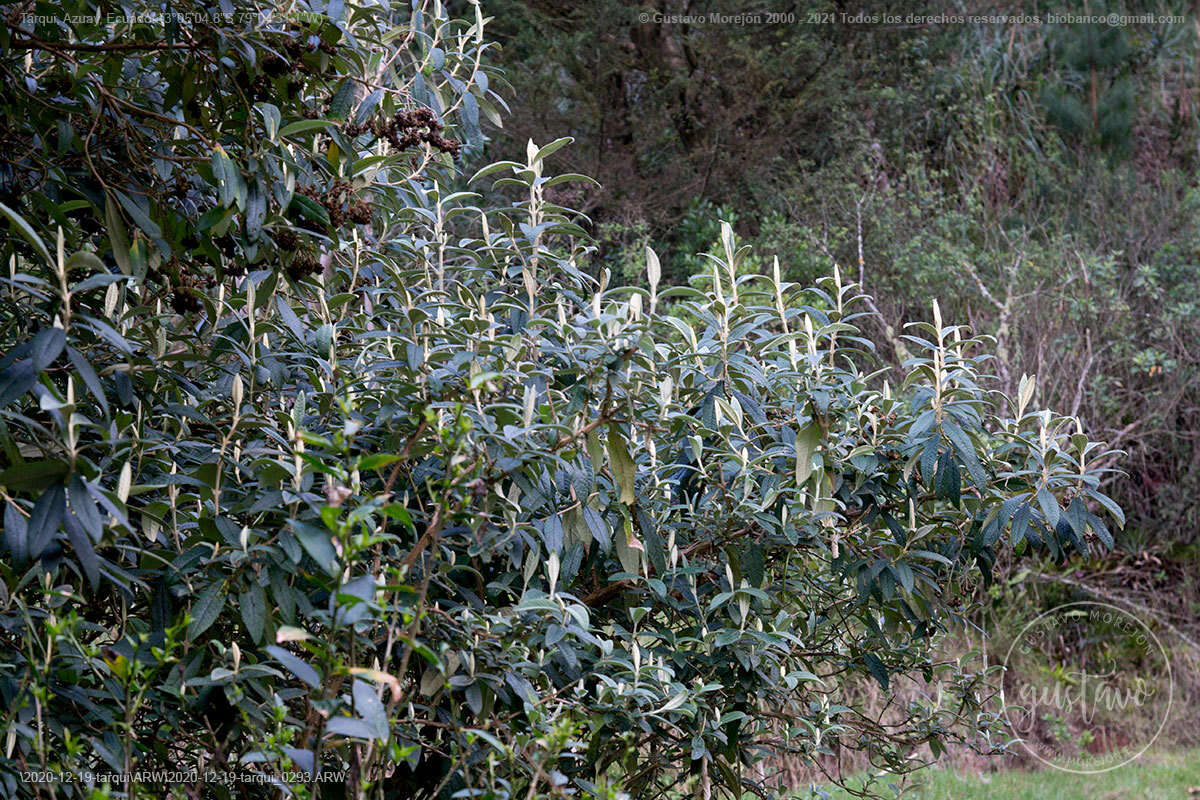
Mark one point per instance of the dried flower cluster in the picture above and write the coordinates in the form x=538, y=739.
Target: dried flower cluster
x=341, y=204
x=407, y=129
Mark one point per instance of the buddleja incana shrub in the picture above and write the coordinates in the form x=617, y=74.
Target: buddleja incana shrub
x=453, y=518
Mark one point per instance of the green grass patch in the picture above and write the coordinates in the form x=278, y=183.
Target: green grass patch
x=1157, y=776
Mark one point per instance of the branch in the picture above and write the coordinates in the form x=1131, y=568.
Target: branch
x=1083, y=373
x=30, y=41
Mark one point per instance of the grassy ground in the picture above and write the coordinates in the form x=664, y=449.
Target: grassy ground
x=1163, y=776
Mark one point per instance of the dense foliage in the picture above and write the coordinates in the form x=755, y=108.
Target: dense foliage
x=441, y=513
x=1039, y=178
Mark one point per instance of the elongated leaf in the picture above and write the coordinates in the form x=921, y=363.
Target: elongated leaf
x=45, y=519
x=309, y=208
x=85, y=552
x=226, y=174
x=303, y=126
x=367, y=107
x=598, y=527
x=807, y=441
x=33, y=475
x=318, y=545
x=546, y=150
x=86, y=259
x=139, y=215
x=304, y=759
x=877, y=669
x=84, y=507
x=966, y=451
x=89, y=377
x=271, y=119
x=289, y=318
x=368, y=706
x=253, y=605
x=27, y=232
x=118, y=239
x=351, y=727
x=470, y=119
x=552, y=534
x=1049, y=505
x=1101, y=531
x=629, y=549
x=46, y=347
x=206, y=609
x=16, y=380
x=16, y=534
x=256, y=210
x=624, y=471
x=343, y=99
x=296, y=666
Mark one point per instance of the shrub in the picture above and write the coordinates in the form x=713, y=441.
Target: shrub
x=452, y=517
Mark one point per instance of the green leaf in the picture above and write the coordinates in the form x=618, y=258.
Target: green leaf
x=929, y=555
x=1109, y=504
x=753, y=564
x=16, y=534
x=289, y=318
x=470, y=119
x=567, y=177
x=1101, y=531
x=311, y=209
x=377, y=461
x=318, y=545
x=1049, y=505
x=367, y=107
x=598, y=527
x=966, y=451
x=343, y=99
x=369, y=707
x=227, y=176
x=46, y=347
x=256, y=210
x=17, y=379
x=624, y=471
x=27, y=231
x=350, y=727
x=271, y=119
x=118, y=239
x=206, y=609
x=302, y=126
x=139, y=215
x=491, y=169
x=46, y=519
x=84, y=507
x=807, y=441
x=629, y=549
x=253, y=605
x=947, y=481
x=85, y=259
x=877, y=669
x=295, y=665
x=546, y=150
x=84, y=549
